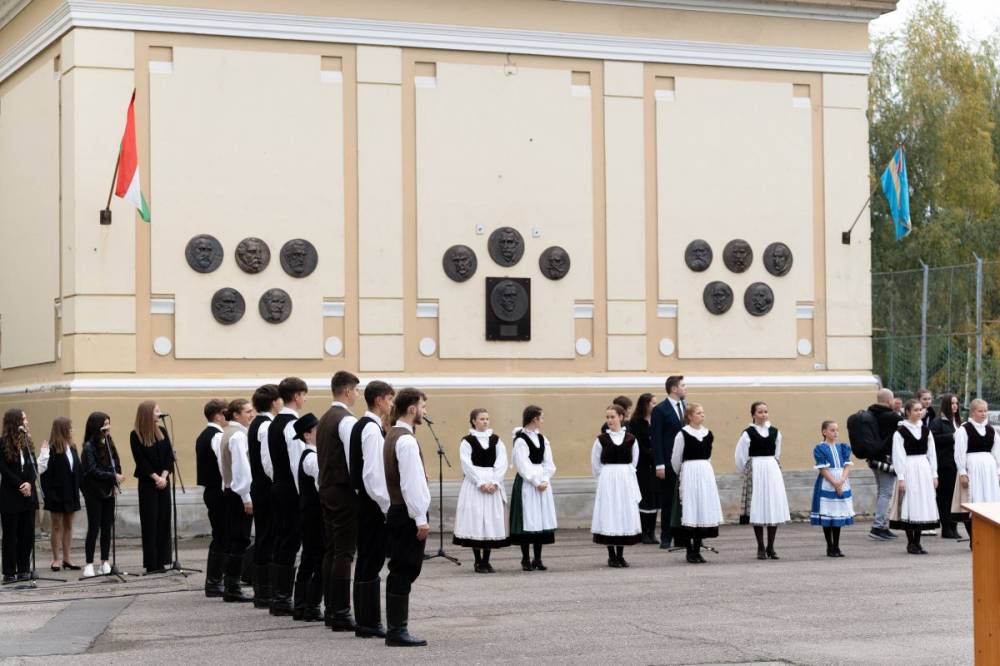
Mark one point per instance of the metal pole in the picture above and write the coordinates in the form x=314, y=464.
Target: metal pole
x=979, y=326
x=923, y=328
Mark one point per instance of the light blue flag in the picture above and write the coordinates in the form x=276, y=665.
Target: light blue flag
x=897, y=192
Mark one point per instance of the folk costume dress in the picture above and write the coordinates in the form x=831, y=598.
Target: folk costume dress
x=915, y=460
x=829, y=509
x=765, y=501
x=616, y=505
x=977, y=450
x=532, y=513
x=479, y=520
x=700, y=511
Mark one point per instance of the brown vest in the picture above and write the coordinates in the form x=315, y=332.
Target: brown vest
x=227, y=457
x=392, y=464
x=330, y=453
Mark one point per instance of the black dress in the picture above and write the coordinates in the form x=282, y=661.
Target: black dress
x=645, y=471
x=61, y=483
x=154, y=503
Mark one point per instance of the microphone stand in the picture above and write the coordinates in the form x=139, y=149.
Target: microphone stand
x=32, y=584
x=442, y=456
x=116, y=573
x=176, y=566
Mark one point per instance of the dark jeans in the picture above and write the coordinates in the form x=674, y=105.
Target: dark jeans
x=406, y=552
x=237, y=532
x=154, y=521
x=218, y=518
x=287, y=530
x=371, y=540
x=263, y=524
x=100, y=515
x=18, y=536
x=340, y=525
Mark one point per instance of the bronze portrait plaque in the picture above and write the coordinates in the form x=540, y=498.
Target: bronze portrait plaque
x=758, y=299
x=508, y=308
x=737, y=255
x=252, y=255
x=698, y=255
x=718, y=297
x=778, y=259
x=298, y=257
x=228, y=306
x=506, y=246
x=554, y=263
x=459, y=262
x=275, y=306
x=204, y=253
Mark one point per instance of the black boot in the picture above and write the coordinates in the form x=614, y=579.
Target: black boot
x=313, y=599
x=232, y=590
x=281, y=576
x=525, y=560
x=340, y=616
x=648, y=522
x=368, y=609
x=536, y=563
x=691, y=557
x=261, y=587
x=328, y=601
x=247, y=569
x=397, y=611
x=213, y=574
x=299, y=596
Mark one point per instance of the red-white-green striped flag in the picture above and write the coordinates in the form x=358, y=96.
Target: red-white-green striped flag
x=127, y=184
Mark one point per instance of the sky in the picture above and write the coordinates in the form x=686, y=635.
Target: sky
x=977, y=18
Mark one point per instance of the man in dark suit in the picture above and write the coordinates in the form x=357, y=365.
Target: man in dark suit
x=666, y=421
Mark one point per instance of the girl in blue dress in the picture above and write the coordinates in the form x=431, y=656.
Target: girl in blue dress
x=832, y=505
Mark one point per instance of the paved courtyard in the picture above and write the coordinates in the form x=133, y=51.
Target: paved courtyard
x=876, y=606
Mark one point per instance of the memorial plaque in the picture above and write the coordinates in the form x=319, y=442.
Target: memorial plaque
x=252, y=255
x=508, y=308
x=778, y=259
x=698, y=255
x=737, y=255
x=299, y=258
x=554, y=263
x=459, y=262
x=506, y=246
x=228, y=306
x=204, y=253
x=718, y=297
x=758, y=299
x=275, y=306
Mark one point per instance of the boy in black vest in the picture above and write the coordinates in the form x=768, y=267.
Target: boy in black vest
x=209, y=468
x=309, y=584
x=267, y=403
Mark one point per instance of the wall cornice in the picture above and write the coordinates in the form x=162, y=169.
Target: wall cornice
x=855, y=12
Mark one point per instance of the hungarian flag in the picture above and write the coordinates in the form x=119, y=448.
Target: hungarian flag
x=127, y=184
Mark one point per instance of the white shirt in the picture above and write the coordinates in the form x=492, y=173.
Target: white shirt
x=295, y=447
x=412, y=478
x=482, y=476
x=344, y=431
x=617, y=437
x=961, y=446
x=238, y=451
x=217, y=446
x=310, y=466
x=677, y=457
x=899, y=451
x=265, y=454
x=530, y=472
x=373, y=470
x=743, y=444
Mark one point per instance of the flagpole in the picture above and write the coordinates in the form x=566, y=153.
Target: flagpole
x=845, y=236
x=106, y=213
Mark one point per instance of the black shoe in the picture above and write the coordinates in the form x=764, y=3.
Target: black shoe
x=538, y=566
x=9, y=579
x=648, y=539
x=397, y=611
x=700, y=559
x=920, y=550
x=622, y=563
x=830, y=552
x=771, y=555
x=761, y=554
x=912, y=549
x=312, y=614
x=72, y=567
x=213, y=574
x=664, y=546
x=24, y=575
x=613, y=563
x=692, y=557
x=340, y=617
x=526, y=565
x=479, y=568
x=368, y=609
x=233, y=592
x=261, y=587
x=837, y=552
x=488, y=568
x=281, y=577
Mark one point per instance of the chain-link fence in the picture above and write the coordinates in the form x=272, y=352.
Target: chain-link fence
x=939, y=328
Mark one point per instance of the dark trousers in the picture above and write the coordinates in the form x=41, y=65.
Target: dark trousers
x=18, y=535
x=100, y=515
x=371, y=540
x=287, y=528
x=668, y=486
x=154, y=521
x=218, y=518
x=263, y=524
x=310, y=574
x=406, y=552
x=340, y=525
x=237, y=532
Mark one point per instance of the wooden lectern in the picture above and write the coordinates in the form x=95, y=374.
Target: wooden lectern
x=986, y=580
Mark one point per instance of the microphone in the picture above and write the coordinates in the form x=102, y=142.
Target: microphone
x=162, y=416
x=427, y=419
x=21, y=428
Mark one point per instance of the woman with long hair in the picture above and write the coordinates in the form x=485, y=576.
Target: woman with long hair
x=102, y=476
x=645, y=471
x=18, y=495
x=61, y=473
x=154, y=460
x=943, y=428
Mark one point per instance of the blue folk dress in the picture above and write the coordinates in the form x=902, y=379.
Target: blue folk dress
x=828, y=509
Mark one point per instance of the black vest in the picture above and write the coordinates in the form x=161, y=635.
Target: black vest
x=695, y=450
x=978, y=443
x=277, y=447
x=308, y=495
x=483, y=457
x=535, y=454
x=60, y=484
x=207, y=463
x=762, y=446
x=616, y=454
x=912, y=445
x=333, y=468
x=357, y=454
x=253, y=449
